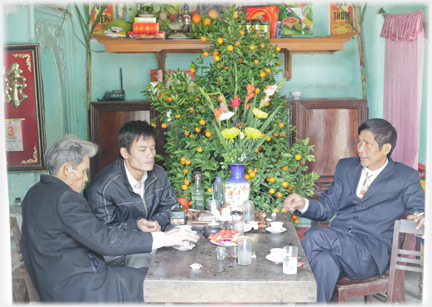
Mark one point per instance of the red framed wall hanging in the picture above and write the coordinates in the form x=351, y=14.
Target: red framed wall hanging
x=23, y=105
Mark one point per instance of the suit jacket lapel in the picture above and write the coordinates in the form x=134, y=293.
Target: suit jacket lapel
x=353, y=176
x=381, y=180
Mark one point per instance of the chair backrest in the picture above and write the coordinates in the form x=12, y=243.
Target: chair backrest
x=399, y=261
x=23, y=288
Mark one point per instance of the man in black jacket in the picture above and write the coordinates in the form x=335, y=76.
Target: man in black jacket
x=133, y=188
x=62, y=241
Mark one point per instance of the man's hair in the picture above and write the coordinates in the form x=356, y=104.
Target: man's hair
x=132, y=131
x=68, y=148
x=382, y=130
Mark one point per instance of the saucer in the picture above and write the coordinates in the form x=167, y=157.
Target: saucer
x=269, y=229
x=277, y=261
x=182, y=248
x=269, y=257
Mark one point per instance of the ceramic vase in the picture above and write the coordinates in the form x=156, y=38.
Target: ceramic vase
x=237, y=188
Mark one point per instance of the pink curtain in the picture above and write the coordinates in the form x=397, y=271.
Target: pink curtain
x=403, y=78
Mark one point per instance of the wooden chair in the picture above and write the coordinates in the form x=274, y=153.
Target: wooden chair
x=23, y=289
x=393, y=281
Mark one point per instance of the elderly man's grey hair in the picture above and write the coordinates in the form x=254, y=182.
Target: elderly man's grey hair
x=68, y=148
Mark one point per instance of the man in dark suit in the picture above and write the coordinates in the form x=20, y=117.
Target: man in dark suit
x=62, y=240
x=368, y=194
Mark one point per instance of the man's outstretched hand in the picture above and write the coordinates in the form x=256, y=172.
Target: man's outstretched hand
x=180, y=237
x=294, y=202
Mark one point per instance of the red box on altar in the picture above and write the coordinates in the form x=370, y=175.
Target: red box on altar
x=266, y=14
x=155, y=35
x=145, y=27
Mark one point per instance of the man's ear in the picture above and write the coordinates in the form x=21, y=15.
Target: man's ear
x=124, y=153
x=64, y=170
x=387, y=147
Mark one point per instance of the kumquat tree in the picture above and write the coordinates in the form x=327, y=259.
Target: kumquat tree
x=231, y=113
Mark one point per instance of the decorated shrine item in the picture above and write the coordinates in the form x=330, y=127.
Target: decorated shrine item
x=237, y=188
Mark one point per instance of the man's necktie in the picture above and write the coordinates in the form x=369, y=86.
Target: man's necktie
x=366, y=185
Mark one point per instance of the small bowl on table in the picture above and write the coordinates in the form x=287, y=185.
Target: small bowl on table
x=296, y=95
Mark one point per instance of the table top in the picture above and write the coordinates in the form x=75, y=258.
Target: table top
x=170, y=278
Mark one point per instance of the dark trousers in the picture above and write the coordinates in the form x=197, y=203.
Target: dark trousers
x=333, y=254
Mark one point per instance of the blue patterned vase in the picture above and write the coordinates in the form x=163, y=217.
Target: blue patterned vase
x=237, y=188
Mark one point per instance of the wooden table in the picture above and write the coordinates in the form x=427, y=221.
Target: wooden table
x=171, y=280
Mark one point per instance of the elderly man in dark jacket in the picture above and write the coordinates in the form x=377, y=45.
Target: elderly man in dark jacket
x=63, y=242
x=133, y=188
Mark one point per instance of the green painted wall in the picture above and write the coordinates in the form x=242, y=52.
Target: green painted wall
x=317, y=75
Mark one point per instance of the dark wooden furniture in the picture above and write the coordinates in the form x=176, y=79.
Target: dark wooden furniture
x=23, y=289
x=224, y=281
x=392, y=282
x=331, y=125
x=106, y=118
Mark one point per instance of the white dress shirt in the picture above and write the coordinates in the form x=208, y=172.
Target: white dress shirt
x=159, y=238
x=373, y=174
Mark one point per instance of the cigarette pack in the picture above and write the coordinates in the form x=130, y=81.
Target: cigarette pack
x=155, y=35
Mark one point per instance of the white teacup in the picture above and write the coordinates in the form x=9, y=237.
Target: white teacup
x=276, y=225
x=277, y=253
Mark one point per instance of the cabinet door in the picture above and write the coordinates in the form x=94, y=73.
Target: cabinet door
x=106, y=118
x=331, y=125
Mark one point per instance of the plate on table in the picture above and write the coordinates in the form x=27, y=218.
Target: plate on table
x=223, y=243
x=269, y=229
x=269, y=257
x=182, y=248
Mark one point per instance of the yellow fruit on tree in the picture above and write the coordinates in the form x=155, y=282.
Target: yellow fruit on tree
x=298, y=157
x=154, y=125
x=202, y=122
x=199, y=149
x=247, y=177
x=284, y=210
x=197, y=129
x=235, y=15
x=220, y=40
x=278, y=49
x=205, y=54
x=230, y=48
x=186, y=133
x=279, y=194
x=256, y=61
x=191, y=110
x=187, y=182
x=284, y=184
x=268, y=139
x=268, y=70
x=257, y=90
x=184, y=187
x=185, y=171
x=281, y=125
x=210, y=190
x=262, y=74
x=216, y=58
x=275, y=210
x=208, y=134
x=272, y=191
x=207, y=21
x=192, y=70
x=163, y=125
x=177, y=116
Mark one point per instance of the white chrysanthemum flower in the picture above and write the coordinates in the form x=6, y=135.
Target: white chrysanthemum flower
x=226, y=115
x=242, y=136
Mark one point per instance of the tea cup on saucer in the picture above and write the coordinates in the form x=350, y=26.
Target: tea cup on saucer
x=276, y=226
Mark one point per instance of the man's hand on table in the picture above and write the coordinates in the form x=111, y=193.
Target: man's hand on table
x=180, y=237
x=417, y=217
x=148, y=226
x=294, y=202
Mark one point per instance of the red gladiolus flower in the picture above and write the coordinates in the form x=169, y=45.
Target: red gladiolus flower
x=250, y=96
x=235, y=102
x=248, y=105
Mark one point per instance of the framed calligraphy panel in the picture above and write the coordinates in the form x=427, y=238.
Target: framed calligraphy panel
x=23, y=105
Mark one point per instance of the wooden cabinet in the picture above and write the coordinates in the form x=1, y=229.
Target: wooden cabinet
x=331, y=125
x=106, y=118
